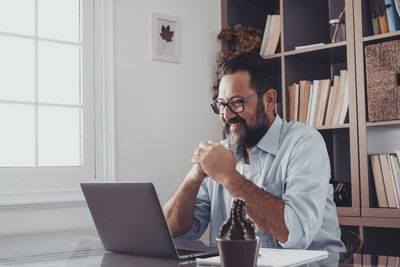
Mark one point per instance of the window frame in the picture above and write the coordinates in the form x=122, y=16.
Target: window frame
x=97, y=126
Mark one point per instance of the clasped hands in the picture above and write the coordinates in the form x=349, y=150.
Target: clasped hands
x=215, y=161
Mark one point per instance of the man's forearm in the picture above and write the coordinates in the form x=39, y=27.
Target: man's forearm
x=266, y=210
x=179, y=209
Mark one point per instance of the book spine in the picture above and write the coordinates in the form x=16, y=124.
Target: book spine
x=395, y=167
x=383, y=24
x=392, y=17
x=378, y=179
x=374, y=16
x=388, y=181
x=265, y=37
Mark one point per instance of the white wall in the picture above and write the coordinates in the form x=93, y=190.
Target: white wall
x=163, y=109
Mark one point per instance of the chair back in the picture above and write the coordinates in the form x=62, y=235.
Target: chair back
x=354, y=244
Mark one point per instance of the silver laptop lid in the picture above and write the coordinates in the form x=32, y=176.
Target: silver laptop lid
x=121, y=210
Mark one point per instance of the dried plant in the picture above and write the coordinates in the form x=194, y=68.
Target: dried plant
x=237, y=40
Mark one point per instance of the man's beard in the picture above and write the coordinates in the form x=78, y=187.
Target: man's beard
x=248, y=136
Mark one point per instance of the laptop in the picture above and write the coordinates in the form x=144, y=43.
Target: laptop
x=129, y=220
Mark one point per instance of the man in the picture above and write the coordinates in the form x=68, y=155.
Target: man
x=280, y=169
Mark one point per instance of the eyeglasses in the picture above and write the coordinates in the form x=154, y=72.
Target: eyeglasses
x=236, y=106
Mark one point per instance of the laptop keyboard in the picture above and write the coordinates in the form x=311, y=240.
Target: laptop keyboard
x=186, y=251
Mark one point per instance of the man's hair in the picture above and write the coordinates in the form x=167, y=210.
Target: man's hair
x=255, y=65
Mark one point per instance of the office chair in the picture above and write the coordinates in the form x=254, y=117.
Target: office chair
x=354, y=244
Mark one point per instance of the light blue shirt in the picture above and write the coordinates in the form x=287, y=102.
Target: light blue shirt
x=291, y=163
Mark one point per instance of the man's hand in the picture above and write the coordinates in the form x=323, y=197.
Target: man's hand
x=215, y=160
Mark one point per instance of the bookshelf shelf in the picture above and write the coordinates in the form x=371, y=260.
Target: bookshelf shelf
x=315, y=48
x=347, y=211
x=383, y=123
x=333, y=127
x=370, y=221
x=381, y=212
x=277, y=55
x=381, y=37
x=304, y=23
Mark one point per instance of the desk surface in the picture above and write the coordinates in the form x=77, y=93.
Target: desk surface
x=83, y=248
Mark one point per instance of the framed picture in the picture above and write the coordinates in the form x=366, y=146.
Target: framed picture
x=166, y=38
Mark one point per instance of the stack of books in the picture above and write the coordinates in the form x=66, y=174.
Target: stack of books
x=319, y=102
x=271, y=35
x=386, y=171
x=385, y=15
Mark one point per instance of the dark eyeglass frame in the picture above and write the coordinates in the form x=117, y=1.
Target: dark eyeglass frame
x=216, y=109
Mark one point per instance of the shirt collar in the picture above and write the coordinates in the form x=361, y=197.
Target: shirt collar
x=270, y=142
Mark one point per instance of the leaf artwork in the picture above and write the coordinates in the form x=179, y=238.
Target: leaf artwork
x=166, y=34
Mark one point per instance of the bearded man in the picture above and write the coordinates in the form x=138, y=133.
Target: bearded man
x=280, y=169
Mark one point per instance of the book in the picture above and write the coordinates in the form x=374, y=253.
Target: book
x=265, y=37
x=313, y=103
x=374, y=16
x=397, y=151
x=318, y=104
x=309, y=104
x=392, y=16
x=395, y=168
x=382, y=261
x=304, y=98
x=393, y=261
x=383, y=24
x=296, y=101
x=332, y=100
x=345, y=102
x=366, y=260
x=273, y=35
x=397, y=5
x=291, y=102
x=388, y=182
x=325, y=88
x=378, y=180
x=340, y=95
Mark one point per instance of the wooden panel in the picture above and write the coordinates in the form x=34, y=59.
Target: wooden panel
x=381, y=213
x=382, y=37
x=361, y=109
x=250, y=13
x=370, y=222
x=345, y=211
x=351, y=67
x=305, y=22
x=333, y=127
x=383, y=123
x=315, y=48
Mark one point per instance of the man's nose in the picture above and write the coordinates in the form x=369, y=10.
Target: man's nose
x=228, y=114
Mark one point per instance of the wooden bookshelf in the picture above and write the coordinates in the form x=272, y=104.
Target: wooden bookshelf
x=380, y=220
x=303, y=24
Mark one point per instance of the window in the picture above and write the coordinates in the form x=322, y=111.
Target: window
x=46, y=89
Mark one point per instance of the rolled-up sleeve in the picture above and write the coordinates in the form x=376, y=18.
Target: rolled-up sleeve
x=201, y=214
x=307, y=182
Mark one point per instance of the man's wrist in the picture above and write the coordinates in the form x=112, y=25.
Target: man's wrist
x=196, y=175
x=233, y=182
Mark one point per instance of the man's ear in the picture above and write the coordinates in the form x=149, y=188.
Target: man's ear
x=269, y=99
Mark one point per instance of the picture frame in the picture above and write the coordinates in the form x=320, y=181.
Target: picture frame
x=166, y=38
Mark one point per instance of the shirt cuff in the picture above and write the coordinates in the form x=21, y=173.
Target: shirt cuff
x=294, y=227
